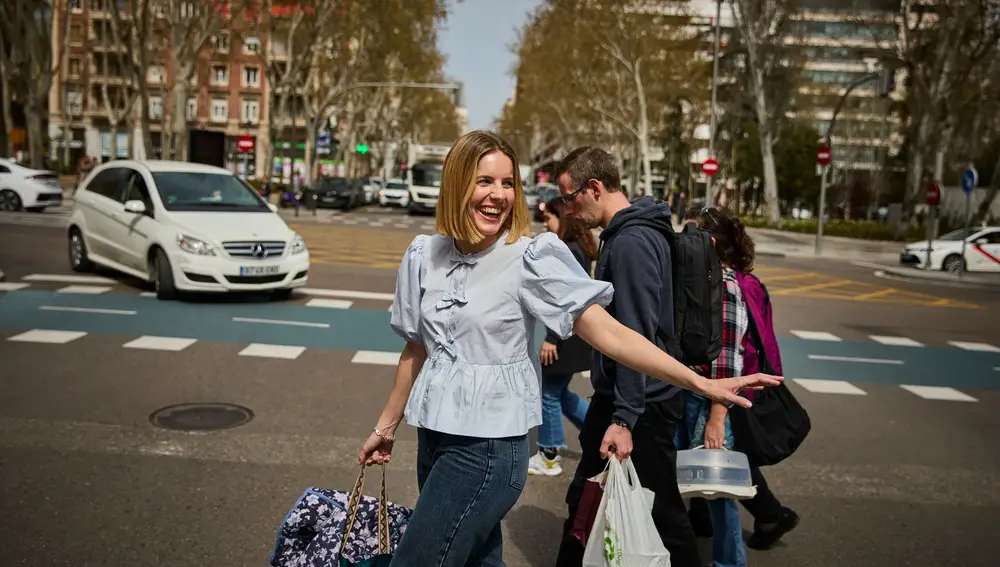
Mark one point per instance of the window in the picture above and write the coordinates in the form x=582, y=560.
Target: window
x=220, y=75
x=251, y=46
x=251, y=77
x=216, y=192
x=155, y=107
x=75, y=33
x=97, y=5
x=250, y=113
x=221, y=43
x=156, y=75
x=74, y=67
x=74, y=101
x=109, y=183
x=76, y=5
x=192, y=109
x=136, y=190
x=220, y=110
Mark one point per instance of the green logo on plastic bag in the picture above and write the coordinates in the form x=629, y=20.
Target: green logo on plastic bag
x=611, y=555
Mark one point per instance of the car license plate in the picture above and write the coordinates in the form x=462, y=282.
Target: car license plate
x=258, y=270
x=432, y=205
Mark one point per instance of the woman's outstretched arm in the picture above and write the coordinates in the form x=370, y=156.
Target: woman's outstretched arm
x=628, y=347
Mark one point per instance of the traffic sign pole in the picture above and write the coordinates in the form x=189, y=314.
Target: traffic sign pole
x=933, y=198
x=823, y=157
x=970, y=179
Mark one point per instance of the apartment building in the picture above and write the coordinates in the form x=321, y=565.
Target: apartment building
x=226, y=110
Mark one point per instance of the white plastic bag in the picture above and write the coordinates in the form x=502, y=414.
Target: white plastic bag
x=623, y=534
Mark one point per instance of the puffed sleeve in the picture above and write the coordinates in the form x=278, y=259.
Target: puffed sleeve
x=555, y=289
x=405, y=319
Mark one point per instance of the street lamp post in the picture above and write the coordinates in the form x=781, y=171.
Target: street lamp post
x=715, y=81
x=829, y=144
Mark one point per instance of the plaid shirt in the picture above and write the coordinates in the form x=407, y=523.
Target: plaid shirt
x=735, y=322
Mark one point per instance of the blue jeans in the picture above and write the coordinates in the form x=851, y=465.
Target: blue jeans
x=467, y=485
x=557, y=401
x=727, y=528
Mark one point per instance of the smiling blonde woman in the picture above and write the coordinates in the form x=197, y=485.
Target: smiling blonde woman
x=467, y=303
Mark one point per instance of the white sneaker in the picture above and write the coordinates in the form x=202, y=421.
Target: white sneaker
x=539, y=465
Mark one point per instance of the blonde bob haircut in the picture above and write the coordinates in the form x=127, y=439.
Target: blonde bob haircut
x=458, y=179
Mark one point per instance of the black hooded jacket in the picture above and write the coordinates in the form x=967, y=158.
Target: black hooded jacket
x=636, y=261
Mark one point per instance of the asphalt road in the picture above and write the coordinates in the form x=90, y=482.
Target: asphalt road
x=900, y=469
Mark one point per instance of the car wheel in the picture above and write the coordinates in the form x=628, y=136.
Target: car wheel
x=953, y=264
x=163, y=276
x=78, y=259
x=10, y=201
x=35, y=209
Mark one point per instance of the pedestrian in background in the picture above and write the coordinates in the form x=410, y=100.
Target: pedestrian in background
x=561, y=359
x=736, y=248
x=467, y=301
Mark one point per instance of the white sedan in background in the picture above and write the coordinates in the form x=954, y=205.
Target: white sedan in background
x=28, y=189
x=394, y=193
x=184, y=227
x=982, y=251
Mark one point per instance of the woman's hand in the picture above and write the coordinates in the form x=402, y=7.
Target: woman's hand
x=549, y=353
x=715, y=434
x=376, y=450
x=727, y=390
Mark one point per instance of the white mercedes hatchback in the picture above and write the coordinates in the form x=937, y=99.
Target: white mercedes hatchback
x=183, y=227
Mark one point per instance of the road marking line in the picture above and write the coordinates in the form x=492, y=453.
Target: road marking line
x=11, y=286
x=85, y=289
x=997, y=368
x=814, y=287
x=854, y=359
x=67, y=279
x=261, y=350
x=148, y=294
x=817, y=386
x=939, y=393
x=875, y=294
x=977, y=347
x=329, y=303
x=281, y=322
x=347, y=294
x=816, y=336
x=150, y=342
x=792, y=276
x=376, y=357
x=895, y=341
x=88, y=310
x=47, y=336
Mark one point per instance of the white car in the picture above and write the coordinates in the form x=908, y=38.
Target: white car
x=184, y=227
x=29, y=189
x=395, y=193
x=982, y=251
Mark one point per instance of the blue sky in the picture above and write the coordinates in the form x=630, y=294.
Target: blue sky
x=475, y=41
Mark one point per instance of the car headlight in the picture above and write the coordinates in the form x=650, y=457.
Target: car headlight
x=298, y=245
x=194, y=245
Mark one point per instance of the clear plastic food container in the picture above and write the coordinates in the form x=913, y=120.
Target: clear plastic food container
x=714, y=473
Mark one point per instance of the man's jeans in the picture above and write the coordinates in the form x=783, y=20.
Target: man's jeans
x=727, y=529
x=467, y=485
x=557, y=401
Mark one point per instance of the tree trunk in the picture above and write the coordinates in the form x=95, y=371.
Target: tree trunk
x=179, y=118
x=983, y=210
x=312, y=132
x=5, y=103
x=647, y=167
x=114, y=139
x=36, y=137
x=770, y=177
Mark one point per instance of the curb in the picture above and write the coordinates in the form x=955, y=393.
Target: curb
x=933, y=278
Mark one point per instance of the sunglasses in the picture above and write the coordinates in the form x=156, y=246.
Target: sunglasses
x=567, y=199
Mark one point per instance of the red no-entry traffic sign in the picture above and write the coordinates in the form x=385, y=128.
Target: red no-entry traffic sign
x=245, y=143
x=823, y=155
x=710, y=166
x=933, y=194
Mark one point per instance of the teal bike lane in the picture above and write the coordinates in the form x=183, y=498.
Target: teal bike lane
x=130, y=316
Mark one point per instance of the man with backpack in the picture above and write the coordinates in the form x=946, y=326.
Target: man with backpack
x=632, y=415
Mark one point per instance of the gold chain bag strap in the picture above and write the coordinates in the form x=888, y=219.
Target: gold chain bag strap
x=383, y=513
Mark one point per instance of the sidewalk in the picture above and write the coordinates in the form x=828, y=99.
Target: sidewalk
x=973, y=280
x=772, y=242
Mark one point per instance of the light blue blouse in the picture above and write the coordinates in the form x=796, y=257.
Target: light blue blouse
x=476, y=316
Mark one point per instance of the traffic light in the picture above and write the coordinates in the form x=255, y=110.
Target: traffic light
x=361, y=149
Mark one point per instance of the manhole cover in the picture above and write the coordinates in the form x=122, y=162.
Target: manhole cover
x=201, y=417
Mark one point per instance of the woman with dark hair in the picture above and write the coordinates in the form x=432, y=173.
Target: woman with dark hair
x=736, y=252
x=561, y=359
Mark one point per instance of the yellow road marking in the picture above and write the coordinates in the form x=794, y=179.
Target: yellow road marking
x=792, y=276
x=875, y=294
x=788, y=291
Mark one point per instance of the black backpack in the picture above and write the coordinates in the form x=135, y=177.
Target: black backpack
x=697, y=294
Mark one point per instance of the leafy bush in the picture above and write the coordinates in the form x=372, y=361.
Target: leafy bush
x=867, y=230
